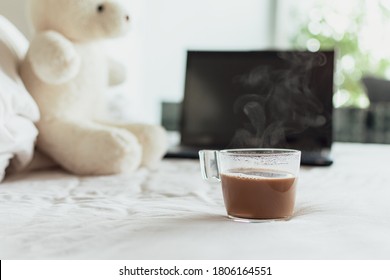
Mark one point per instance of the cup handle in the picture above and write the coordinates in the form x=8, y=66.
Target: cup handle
x=209, y=165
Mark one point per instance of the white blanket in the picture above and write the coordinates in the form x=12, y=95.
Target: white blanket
x=342, y=212
x=17, y=109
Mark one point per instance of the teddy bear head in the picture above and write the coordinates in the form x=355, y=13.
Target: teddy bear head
x=80, y=20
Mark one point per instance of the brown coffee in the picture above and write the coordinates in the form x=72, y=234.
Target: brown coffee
x=258, y=194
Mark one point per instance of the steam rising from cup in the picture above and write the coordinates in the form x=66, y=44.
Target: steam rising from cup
x=278, y=103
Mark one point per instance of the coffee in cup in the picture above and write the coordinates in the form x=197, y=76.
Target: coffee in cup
x=257, y=184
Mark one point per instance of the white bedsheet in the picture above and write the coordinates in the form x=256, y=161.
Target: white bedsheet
x=342, y=212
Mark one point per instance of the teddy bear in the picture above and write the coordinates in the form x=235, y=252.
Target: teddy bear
x=67, y=73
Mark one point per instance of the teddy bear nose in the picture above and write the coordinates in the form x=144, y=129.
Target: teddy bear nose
x=100, y=8
x=127, y=18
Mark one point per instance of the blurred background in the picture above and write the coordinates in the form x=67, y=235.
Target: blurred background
x=155, y=51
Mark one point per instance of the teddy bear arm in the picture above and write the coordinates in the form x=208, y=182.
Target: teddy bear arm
x=53, y=58
x=117, y=72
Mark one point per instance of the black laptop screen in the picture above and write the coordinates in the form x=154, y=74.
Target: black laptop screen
x=258, y=99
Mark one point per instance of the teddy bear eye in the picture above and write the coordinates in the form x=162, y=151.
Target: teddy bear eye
x=100, y=8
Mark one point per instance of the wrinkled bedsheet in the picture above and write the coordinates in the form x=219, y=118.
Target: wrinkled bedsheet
x=342, y=212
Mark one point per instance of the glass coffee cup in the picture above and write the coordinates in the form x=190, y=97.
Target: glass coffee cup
x=257, y=184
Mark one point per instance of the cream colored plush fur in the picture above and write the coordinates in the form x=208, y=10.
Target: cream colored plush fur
x=66, y=71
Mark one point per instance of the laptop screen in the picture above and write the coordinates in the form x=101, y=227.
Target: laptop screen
x=258, y=99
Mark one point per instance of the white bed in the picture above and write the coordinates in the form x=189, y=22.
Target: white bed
x=342, y=212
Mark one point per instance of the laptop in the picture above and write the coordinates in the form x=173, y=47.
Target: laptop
x=258, y=99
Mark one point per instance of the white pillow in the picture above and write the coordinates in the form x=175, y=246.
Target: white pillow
x=13, y=38
x=13, y=48
x=18, y=110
